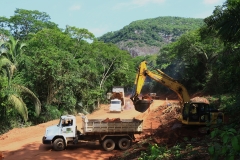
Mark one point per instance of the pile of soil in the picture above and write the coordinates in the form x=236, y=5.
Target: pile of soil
x=107, y=120
x=165, y=129
x=200, y=99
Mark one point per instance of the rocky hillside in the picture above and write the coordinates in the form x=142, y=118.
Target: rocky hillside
x=145, y=37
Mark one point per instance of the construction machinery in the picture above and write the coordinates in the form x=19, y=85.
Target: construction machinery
x=192, y=112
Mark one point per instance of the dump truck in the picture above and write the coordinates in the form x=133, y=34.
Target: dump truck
x=117, y=99
x=108, y=132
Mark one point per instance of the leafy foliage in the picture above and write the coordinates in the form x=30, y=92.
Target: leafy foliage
x=225, y=20
x=160, y=152
x=190, y=59
x=25, y=22
x=13, y=93
x=226, y=144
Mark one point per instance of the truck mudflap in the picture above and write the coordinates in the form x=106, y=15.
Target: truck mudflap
x=45, y=141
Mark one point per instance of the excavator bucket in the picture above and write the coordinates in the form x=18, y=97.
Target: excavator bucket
x=142, y=105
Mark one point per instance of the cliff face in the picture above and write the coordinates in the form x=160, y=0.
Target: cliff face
x=137, y=50
x=146, y=37
x=142, y=49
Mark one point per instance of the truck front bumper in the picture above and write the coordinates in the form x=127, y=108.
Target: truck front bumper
x=45, y=141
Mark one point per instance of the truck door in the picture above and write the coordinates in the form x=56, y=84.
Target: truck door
x=68, y=130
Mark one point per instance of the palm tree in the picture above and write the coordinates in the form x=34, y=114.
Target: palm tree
x=9, y=53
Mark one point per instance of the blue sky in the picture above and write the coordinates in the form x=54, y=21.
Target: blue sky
x=102, y=16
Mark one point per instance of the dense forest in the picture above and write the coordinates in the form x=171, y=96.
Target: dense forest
x=46, y=71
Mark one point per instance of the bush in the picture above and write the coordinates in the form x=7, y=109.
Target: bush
x=225, y=144
x=160, y=152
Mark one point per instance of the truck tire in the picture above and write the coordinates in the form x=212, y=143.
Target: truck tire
x=108, y=144
x=124, y=143
x=58, y=144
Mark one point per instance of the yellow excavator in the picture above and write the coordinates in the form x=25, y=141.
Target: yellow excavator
x=192, y=112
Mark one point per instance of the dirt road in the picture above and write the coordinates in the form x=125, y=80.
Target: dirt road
x=26, y=143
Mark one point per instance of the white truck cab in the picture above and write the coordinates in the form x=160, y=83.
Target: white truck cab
x=59, y=135
x=115, y=105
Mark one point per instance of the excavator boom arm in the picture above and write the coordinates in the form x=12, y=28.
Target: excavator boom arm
x=170, y=83
x=140, y=79
x=160, y=77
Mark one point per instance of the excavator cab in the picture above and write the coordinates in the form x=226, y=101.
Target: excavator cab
x=199, y=113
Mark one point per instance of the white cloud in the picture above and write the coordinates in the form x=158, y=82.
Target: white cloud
x=75, y=7
x=137, y=3
x=211, y=1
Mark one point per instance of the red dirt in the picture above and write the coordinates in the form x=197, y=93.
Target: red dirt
x=26, y=143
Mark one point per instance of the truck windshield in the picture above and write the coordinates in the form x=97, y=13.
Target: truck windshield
x=115, y=102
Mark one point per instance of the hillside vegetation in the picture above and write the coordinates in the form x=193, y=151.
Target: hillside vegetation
x=144, y=37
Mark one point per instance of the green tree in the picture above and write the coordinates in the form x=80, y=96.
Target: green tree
x=112, y=63
x=14, y=93
x=190, y=59
x=26, y=21
x=79, y=33
x=102, y=66
x=225, y=21
x=52, y=69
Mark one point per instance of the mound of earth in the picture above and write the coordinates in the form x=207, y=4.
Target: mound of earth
x=165, y=130
x=200, y=99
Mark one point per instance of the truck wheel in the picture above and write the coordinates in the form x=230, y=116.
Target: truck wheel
x=124, y=143
x=58, y=144
x=108, y=144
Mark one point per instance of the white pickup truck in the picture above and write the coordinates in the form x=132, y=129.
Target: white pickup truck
x=109, y=132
